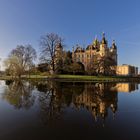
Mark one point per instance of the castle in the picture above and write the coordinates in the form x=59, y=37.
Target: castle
x=96, y=49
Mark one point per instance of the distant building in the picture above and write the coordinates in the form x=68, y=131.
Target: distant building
x=127, y=70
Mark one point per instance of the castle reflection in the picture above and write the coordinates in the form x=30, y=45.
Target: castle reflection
x=54, y=97
x=97, y=98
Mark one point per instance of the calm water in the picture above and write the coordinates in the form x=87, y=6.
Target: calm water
x=58, y=110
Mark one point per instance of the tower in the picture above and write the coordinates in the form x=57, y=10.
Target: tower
x=103, y=46
x=96, y=43
x=58, y=50
x=73, y=54
x=113, y=51
x=58, y=57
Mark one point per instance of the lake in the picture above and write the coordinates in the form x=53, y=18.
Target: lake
x=38, y=110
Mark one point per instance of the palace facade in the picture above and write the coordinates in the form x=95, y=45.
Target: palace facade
x=98, y=49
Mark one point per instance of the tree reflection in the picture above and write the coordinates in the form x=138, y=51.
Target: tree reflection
x=55, y=97
x=19, y=94
x=47, y=101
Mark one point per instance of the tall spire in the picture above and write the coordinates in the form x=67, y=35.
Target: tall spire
x=113, y=42
x=103, y=34
x=95, y=37
x=96, y=42
x=103, y=39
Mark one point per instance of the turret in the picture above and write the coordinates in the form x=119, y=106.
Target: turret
x=73, y=54
x=113, y=51
x=114, y=45
x=59, y=47
x=103, y=46
x=104, y=41
x=96, y=43
x=58, y=50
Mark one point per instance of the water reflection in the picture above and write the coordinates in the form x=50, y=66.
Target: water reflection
x=19, y=94
x=126, y=87
x=53, y=97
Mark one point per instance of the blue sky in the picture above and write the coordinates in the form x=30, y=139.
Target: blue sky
x=77, y=21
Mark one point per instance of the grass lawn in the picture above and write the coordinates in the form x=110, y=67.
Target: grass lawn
x=93, y=78
x=76, y=78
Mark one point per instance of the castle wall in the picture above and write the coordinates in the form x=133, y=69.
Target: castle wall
x=87, y=56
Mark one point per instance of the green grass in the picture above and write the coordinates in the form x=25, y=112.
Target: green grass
x=5, y=77
x=23, y=77
x=75, y=78
x=34, y=76
x=92, y=78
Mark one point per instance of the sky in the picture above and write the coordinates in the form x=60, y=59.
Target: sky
x=77, y=21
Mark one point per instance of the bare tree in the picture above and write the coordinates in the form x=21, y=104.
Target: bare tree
x=48, y=44
x=20, y=59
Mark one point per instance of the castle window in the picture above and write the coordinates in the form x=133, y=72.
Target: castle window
x=77, y=59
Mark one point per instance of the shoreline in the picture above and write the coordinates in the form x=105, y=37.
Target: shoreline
x=71, y=78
